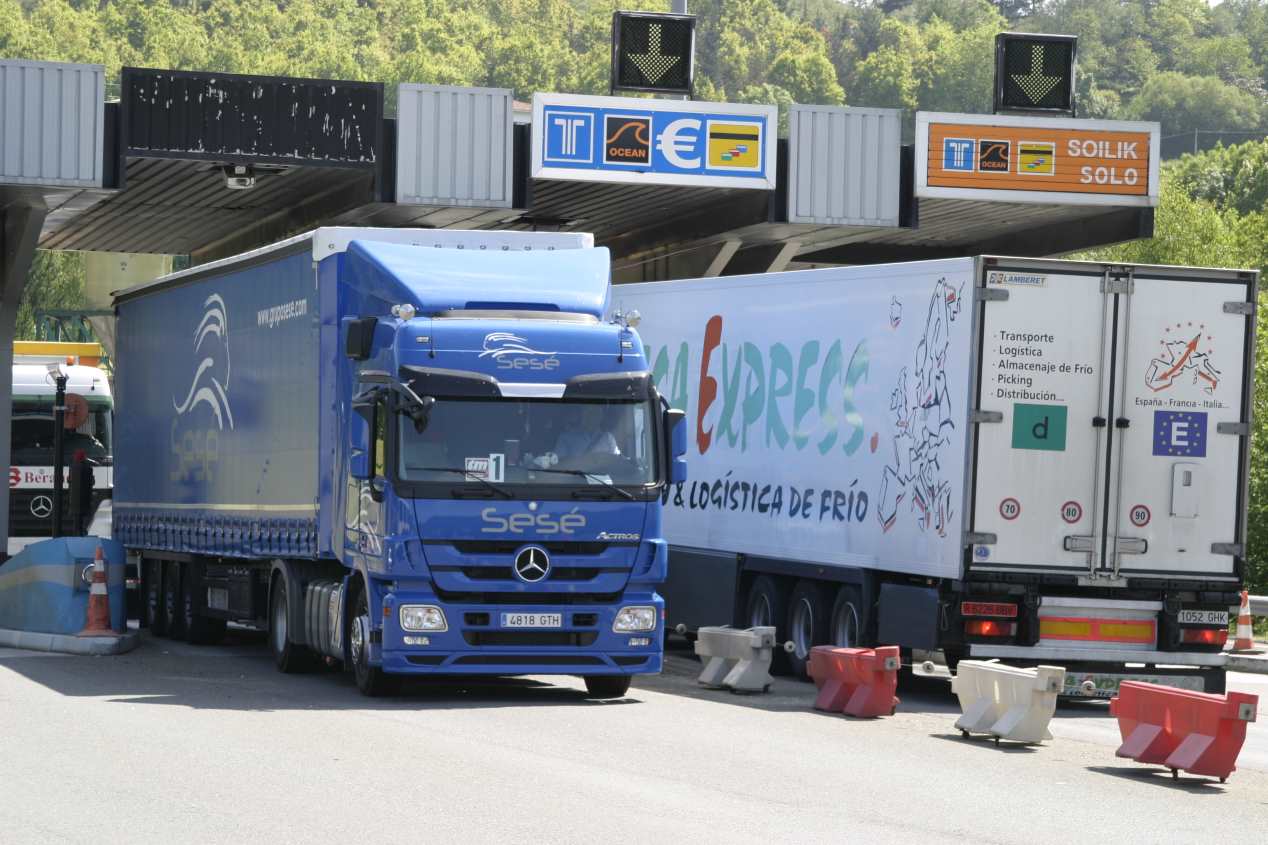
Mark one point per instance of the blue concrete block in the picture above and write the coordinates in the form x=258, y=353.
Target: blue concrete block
x=42, y=587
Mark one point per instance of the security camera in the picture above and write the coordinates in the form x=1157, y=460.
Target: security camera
x=239, y=177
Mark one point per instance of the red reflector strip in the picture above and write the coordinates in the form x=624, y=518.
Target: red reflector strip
x=1204, y=636
x=989, y=628
x=988, y=608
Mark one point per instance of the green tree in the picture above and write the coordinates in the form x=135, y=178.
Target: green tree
x=56, y=280
x=1231, y=177
x=1185, y=103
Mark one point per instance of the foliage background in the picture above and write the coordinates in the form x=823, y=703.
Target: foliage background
x=1183, y=63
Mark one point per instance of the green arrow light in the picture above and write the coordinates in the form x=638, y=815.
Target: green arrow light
x=654, y=64
x=1036, y=84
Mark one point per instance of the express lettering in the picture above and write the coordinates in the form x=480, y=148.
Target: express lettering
x=542, y=523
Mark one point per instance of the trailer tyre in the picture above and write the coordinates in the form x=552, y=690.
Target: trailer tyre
x=848, y=620
x=290, y=657
x=607, y=686
x=371, y=680
x=807, y=624
x=155, y=617
x=767, y=605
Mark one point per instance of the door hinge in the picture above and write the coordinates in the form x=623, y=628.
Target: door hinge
x=976, y=417
x=978, y=538
x=1234, y=549
x=1244, y=308
x=1241, y=429
x=1079, y=543
x=990, y=294
x=1118, y=284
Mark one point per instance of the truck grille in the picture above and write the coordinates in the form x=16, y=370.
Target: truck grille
x=508, y=547
x=24, y=523
x=506, y=573
x=527, y=638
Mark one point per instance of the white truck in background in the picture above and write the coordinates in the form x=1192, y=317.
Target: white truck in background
x=1034, y=460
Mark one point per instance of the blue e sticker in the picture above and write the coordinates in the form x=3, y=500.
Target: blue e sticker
x=1180, y=434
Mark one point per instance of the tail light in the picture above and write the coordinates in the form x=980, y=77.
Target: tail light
x=997, y=609
x=989, y=628
x=1204, y=636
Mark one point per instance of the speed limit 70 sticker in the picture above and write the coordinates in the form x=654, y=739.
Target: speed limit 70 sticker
x=1010, y=508
x=1140, y=516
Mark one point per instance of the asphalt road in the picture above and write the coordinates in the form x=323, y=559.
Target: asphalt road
x=176, y=743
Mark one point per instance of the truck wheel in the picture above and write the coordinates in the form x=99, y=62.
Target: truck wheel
x=848, y=620
x=371, y=680
x=807, y=624
x=289, y=657
x=767, y=605
x=155, y=617
x=607, y=686
x=173, y=619
x=199, y=630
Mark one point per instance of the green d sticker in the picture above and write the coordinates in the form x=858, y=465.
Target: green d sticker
x=1039, y=427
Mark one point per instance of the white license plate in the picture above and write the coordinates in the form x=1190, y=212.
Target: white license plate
x=1106, y=685
x=532, y=620
x=1204, y=617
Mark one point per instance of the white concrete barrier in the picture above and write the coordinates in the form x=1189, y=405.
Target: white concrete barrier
x=736, y=659
x=1007, y=702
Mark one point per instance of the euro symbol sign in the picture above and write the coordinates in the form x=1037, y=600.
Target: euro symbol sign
x=672, y=146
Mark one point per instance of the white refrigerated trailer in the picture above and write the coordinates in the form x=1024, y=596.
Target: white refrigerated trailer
x=1032, y=460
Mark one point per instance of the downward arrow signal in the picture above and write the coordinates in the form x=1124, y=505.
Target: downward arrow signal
x=1035, y=84
x=654, y=64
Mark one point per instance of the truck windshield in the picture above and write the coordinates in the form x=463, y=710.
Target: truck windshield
x=33, y=434
x=529, y=441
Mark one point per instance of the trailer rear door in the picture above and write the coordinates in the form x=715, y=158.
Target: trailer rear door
x=1110, y=437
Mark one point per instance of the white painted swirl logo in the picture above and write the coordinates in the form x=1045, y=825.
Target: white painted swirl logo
x=497, y=344
x=210, y=384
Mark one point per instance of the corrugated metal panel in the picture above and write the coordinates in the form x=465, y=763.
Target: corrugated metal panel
x=453, y=146
x=843, y=165
x=51, y=118
x=251, y=119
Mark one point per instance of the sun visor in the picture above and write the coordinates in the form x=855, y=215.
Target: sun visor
x=436, y=280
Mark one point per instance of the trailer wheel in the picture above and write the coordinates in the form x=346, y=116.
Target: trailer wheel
x=807, y=624
x=847, y=622
x=767, y=605
x=173, y=619
x=155, y=617
x=199, y=629
x=607, y=686
x=290, y=657
x=371, y=680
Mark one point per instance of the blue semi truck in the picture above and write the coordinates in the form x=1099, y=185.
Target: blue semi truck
x=407, y=451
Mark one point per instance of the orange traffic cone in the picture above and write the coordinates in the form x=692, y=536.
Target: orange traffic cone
x=98, y=624
x=1245, y=636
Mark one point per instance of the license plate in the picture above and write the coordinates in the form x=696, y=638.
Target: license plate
x=1204, y=617
x=532, y=620
x=1105, y=685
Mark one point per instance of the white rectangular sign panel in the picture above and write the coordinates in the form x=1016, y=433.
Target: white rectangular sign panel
x=654, y=142
x=826, y=411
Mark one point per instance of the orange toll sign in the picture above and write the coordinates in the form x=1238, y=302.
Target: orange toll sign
x=1024, y=159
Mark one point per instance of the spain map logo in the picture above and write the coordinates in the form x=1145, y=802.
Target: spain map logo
x=735, y=146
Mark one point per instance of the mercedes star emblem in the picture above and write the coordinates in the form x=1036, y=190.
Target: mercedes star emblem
x=532, y=564
x=41, y=507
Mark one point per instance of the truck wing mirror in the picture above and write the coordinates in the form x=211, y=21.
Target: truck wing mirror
x=676, y=431
x=359, y=341
x=360, y=424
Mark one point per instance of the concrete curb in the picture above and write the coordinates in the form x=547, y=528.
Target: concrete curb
x=1257, y=664
x=68, y=644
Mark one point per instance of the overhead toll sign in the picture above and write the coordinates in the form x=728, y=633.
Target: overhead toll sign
x=1034, y=73
x=1010, y=158
x=653, y=142
x=653, y=52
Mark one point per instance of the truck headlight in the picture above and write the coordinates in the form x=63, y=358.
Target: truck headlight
x=630, y=619
x=423, y=617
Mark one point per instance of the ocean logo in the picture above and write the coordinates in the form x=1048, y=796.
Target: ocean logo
x=498, y=344
x=210, y=384
x=1183, y=356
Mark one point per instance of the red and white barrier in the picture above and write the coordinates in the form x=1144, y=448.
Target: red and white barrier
x=856, y=681
x=1198, y=732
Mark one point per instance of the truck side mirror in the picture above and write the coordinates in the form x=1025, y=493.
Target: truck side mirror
x=676, y=428
x=360, y=451
x=359, y=341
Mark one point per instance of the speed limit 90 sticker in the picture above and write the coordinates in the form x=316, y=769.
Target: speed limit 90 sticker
x=1140, y=515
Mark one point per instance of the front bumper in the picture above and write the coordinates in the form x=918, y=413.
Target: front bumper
x=477, y=644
